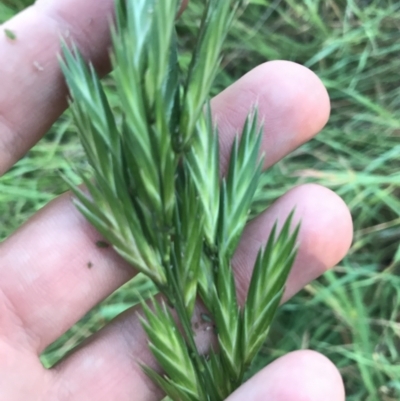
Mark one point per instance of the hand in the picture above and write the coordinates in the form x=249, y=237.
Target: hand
x=45, y=285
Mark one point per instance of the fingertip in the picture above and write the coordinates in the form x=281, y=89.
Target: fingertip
x=327, y=220
x=292, y=101
x=325, y=235
x=298, y=376
x=298, y=93
x=305, y=89
x=326, y=232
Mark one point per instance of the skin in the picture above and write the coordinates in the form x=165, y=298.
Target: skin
x=45, y=284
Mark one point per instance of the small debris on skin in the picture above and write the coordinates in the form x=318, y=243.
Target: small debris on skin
x=90, y=265
x=206, y=318
x=10, y=34
x=38, y=66
x=102, y=244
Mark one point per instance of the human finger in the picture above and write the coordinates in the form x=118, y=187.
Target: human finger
x=326, y=234
x=298, y=376
x=292, y=103
x=33, y=92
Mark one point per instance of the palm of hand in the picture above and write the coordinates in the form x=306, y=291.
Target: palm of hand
x=45, y=284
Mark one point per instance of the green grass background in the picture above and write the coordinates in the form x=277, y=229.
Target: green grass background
x=352, y=314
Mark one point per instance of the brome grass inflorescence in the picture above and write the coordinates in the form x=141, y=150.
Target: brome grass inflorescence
x=158, y=197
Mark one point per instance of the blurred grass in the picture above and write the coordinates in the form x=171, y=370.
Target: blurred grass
x=352, y=314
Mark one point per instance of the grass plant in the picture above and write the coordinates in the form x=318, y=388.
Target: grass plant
x=352, y=313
